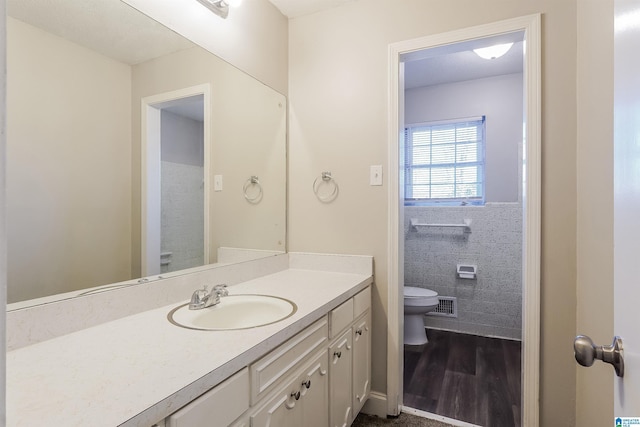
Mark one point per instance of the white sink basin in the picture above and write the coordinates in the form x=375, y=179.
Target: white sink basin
x=234, y=312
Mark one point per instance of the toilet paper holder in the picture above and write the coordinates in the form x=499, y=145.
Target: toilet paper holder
x=467, y=271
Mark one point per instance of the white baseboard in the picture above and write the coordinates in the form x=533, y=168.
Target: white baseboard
x=436, y=417
x=376, y=405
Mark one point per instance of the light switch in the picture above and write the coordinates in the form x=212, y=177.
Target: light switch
x=217, y=183
x=376, y=175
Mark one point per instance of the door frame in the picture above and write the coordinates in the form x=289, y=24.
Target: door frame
x=531, y=25
x=150, y=167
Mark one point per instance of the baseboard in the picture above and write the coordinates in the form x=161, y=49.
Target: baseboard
x=436, y=417
x=376, y=405
x=440, y=328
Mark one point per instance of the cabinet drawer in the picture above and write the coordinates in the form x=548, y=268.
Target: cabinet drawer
x=267, y=372
x=224, y=404
x=361, y=302
x=340, y=317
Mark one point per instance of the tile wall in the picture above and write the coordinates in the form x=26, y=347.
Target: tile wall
x=182, y=215
x=490, y=305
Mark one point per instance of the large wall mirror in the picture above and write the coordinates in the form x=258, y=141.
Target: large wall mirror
x=132, y=153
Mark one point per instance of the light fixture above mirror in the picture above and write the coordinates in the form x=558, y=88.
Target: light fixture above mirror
x=220, y=7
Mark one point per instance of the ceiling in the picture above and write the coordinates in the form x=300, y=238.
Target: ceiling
x=114, y=29
x=295, y=8
x=191, y=107
x=457, y=62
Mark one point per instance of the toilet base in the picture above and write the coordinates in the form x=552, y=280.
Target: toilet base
x=414, y=330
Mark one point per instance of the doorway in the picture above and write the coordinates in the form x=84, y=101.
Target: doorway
x=476, y=188
x=175, y=153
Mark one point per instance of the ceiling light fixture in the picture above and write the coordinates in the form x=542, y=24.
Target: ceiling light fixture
x=220, y=7
x=492, y=52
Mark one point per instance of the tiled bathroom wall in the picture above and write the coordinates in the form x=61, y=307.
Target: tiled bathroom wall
x=182, y=216
x=491, y=304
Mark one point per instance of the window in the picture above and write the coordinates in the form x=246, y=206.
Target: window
x=444, y=162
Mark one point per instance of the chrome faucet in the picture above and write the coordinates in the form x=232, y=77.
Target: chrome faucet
x=202, y=298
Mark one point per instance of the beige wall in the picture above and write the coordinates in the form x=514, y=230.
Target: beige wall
x=3, y=222
x=338, y=122
x=69, y=133
x=253, y=37
x=248, y=137
x=595, y=205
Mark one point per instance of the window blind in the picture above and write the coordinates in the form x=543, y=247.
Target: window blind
x=444, y=162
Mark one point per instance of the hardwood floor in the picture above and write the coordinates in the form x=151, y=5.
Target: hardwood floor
x=465, y=377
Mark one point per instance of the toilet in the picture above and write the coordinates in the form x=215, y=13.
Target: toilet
x=417, y=303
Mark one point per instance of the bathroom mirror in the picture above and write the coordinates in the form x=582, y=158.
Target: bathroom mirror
x=87, y=195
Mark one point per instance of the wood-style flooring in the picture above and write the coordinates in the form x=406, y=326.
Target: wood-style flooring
x=465, y=377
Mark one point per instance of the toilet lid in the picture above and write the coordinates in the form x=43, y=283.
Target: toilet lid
x=413, y=292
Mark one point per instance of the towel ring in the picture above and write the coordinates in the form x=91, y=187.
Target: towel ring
x=325, y=179
x=252, y=182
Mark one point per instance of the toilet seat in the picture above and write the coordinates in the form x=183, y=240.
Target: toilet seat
x=420, y=297
x=413, y=292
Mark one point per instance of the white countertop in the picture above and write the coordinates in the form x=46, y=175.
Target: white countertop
x=141, y=368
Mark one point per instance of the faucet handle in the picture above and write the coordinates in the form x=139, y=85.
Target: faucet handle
x=221, y=290
x=197, y=296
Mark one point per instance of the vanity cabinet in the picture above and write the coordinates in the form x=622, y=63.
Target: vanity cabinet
x=320, y=377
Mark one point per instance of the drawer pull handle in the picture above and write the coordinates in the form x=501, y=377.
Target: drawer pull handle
x=307, y=384
x=359, y=332
x=337, y=354
x=295, y=395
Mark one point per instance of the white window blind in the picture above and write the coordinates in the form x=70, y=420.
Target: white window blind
x=444, y=162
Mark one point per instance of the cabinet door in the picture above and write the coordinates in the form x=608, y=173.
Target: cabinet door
x=303, y=401
x=361, y=362
x=341, y=406
x=315, y=393
x=283, y=410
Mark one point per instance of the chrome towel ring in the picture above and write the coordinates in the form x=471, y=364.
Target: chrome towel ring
x=327, y=181
x=256, y=195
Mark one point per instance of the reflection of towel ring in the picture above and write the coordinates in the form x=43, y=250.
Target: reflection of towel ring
x=252, y=182
x=325, y=180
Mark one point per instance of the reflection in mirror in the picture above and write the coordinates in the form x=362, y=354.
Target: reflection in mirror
x=175, y=192
x=109, y=179
x=182, y=186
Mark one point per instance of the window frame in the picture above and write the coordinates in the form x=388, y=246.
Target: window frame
x=410, y=167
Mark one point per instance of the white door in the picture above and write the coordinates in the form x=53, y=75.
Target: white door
x=627, y=203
